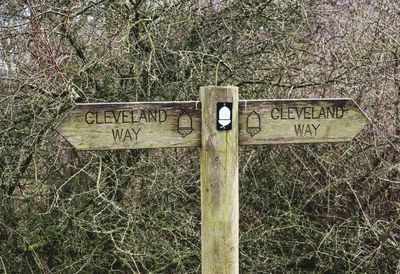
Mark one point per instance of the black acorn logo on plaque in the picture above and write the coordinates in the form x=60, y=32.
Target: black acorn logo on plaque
x=184, y=124
x=253, y=123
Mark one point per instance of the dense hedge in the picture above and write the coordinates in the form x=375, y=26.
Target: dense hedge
x=326, y=208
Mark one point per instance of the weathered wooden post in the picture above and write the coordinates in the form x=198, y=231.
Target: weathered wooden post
x=225, y=123
x=219, y=180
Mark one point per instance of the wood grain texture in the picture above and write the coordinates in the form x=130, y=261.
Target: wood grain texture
x=219, y=185
x=260, y=122
x=132, y=125
x=299, y=121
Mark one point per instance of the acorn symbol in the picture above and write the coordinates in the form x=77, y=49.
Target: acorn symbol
x=253, y=123
x=184, y=124
x=224, y=117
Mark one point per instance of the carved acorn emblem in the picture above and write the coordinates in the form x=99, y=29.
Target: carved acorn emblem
x=184, y=124
x=253, y=123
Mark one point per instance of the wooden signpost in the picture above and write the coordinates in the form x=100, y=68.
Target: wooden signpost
x=299, y=121
x=132, y=125
x=219, y=124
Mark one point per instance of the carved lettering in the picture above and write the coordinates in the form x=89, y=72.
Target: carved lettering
x=116, y=117
x=143, y=116
x=306, y=130
x=307, y=113
x=152, y=116
x=275, y=113
x=117, y=134
x=125, y=116
x=123, y=135
x=108, y=118
x=87, y=119
x=162, y=116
